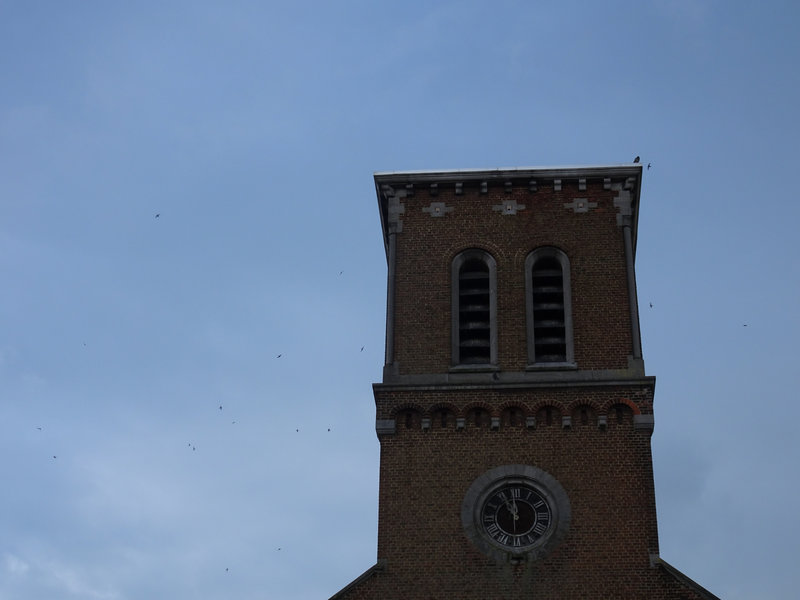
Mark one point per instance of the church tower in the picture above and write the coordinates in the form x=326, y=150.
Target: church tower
x=515, y=415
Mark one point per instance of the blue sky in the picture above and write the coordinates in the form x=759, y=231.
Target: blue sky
x=252, y=129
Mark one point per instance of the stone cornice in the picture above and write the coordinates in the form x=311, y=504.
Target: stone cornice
x=575, y=379
x=503, y=174
x=393, y=186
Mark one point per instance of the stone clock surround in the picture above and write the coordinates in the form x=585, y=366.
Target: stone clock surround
x=545, y=484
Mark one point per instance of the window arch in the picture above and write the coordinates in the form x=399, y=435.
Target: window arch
x=549, y=309
x=474, y=309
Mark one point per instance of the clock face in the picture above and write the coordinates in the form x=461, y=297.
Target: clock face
x=516, y=515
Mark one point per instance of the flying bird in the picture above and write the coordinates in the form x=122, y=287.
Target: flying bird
x=220, y=406
x=279, y=355
x=648, y=166
x=158, y=215
x=651, y=305
x=362, y=348
x=636, y=160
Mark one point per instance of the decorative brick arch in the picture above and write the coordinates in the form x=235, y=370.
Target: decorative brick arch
x=627, y=402
x=508, y=408
x=558, y=407
x=514, y=404
x=485, y=245
x=486, y=408
x=577, y=403
x=490, y=410
x=545, y=403
x=409, y=406
x=435, y=413
x=443, y=406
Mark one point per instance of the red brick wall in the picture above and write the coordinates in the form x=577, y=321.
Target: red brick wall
x=607, y=475
x=606, y=472
x=593, y=242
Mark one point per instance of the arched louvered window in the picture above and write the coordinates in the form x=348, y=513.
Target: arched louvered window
x=549, y=309
x=474, y=311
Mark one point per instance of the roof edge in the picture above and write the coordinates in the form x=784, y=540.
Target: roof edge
x=683, y=579
x=376, y=568
x=543, y=171
x=388, y=179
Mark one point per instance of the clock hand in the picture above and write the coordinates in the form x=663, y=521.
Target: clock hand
x=515, y=512
x=511, y=506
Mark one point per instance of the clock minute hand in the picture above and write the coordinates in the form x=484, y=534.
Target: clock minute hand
x=515, y=512
x=511, y=506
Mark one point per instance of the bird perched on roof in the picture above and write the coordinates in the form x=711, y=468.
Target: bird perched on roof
x=636, y=160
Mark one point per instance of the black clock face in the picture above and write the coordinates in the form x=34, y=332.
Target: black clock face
x=516, y=515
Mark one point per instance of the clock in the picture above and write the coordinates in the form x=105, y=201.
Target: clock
x=515, y=512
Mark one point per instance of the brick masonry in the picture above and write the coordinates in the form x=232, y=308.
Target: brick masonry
x=588, y=428
x=427, y=246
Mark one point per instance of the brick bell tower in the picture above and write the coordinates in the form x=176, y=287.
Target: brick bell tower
x=515, y=416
